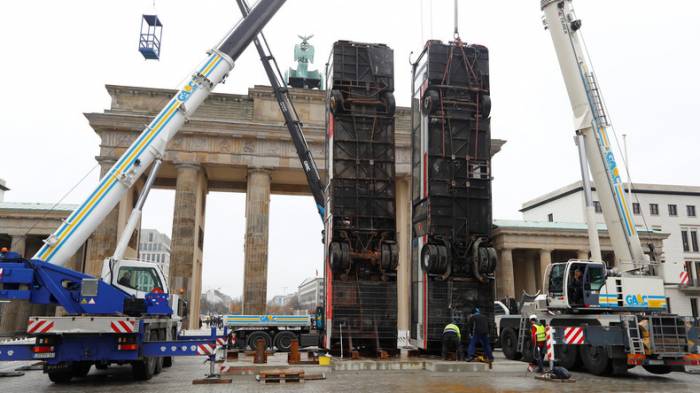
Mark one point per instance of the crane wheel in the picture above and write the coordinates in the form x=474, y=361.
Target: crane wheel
x=567, y=356
x=101, y=365
x=159, y=360
x=509, y=344
x=595, y=359
x=81, y=369
x=144, y=369
x=63, y=376
x=619, y=367
x=658, y=369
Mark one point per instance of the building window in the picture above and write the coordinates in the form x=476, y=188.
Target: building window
x=668, y=304
x=691, y=210
x=684, y=239
x=689, y=238
x=550, y=217
x=672, y=210
x=596, y=206
x=694, y=306
x=654, y=209
x=693, y=270
x=636, y=208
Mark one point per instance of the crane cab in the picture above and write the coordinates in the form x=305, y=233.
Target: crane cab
x=134, y=277
x=574, y=284
x=585, y=285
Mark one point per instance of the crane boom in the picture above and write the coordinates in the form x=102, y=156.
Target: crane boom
x=152, y=141
x=591, y=122
x=291, y=118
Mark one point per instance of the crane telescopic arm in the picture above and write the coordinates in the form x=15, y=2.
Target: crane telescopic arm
x=151, y=143
x=291, y=118
x=591, y=124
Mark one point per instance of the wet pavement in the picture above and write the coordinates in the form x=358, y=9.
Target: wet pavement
x=507, y=376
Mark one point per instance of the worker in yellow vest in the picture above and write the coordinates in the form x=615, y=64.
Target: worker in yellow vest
x=452, y=340
x=539, y=339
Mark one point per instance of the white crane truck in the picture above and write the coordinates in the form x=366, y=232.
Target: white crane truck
x=126, y=316
x=618, y=318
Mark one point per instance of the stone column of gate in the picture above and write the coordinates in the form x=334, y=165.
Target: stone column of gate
x=187, y=238
x=16, y=312
x=505, y=282
x=103, y=241
x=529, y=270
x=257, y=217
x=545, y=260
x=403, y=237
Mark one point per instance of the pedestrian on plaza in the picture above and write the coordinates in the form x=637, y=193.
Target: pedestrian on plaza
x=478, y=326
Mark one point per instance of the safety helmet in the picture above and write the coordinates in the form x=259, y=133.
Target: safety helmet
x=533, y=317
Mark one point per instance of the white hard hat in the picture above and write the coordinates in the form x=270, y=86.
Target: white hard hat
x=533, y=316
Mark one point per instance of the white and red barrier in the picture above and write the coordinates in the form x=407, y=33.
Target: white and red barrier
x=685, y=278
x=549, y=334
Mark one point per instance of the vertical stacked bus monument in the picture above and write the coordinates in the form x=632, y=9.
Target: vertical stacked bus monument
x=360, y=222
x=453, y=262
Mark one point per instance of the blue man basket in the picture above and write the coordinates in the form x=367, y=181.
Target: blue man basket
x=150, y=37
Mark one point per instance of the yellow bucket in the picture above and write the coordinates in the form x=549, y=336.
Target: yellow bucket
x=324, y=360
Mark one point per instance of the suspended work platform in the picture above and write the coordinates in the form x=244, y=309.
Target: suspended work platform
x=150, y=37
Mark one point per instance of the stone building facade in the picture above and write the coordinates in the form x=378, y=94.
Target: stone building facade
x=525, y=248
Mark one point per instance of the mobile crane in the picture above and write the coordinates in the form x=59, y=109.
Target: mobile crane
x=131, y=320
x=610, y=320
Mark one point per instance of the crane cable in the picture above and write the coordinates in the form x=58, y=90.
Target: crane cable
x=61, y=199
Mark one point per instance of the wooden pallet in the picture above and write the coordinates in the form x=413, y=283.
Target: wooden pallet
x=211, y=381
x=281, y=376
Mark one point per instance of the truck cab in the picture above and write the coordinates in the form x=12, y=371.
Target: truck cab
x=574, y=284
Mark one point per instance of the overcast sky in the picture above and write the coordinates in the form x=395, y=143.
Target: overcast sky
x=56, y=57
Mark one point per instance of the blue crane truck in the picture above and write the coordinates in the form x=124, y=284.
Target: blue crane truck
x=125, y=316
